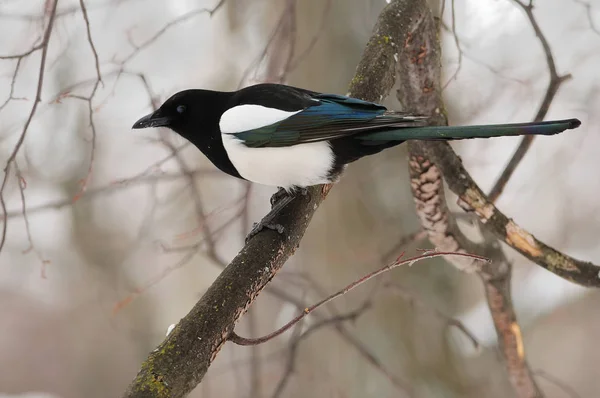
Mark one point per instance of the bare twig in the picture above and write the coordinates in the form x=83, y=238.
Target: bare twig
x=364, y=351
x=85, y=181
x=64, y=11
x=456, y=43
x=296, y=340
x=313, y=42
x=22, y=186
x=28, y=52
x=164, y=29
x=570, y=391
x=38, y=97
x=114, y=187
x=450, y=321
x=410, y=261
x=12, y=85
x=555, y=81
x=255, y=360
x=408, y=239
x=90, y=41
x=287, y=18
x=588, y=12
x=195, y=188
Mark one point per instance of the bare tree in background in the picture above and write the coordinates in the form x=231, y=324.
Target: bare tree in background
x=402, y=57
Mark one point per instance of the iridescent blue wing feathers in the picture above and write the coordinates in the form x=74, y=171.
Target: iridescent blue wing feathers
x=329, y=117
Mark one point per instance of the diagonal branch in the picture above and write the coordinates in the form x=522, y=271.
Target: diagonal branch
x=555, y=81
x=181, y=361
x=472, y=199
x=89, y=101
x=164, y=29
x=394, y=264
x=588, y=12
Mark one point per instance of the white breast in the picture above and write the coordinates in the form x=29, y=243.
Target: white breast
x=298, y=165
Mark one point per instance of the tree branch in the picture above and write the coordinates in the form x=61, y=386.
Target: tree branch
x=553, y=86
x=181, y=361
x=295, y=343
x=472, y=199
x=420, y=92
x=38, y=97
x=394, y=264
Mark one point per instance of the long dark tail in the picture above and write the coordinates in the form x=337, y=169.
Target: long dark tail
x=463, y=132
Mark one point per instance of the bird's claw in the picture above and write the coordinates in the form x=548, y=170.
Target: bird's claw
x=259, y=226
x=277, y=196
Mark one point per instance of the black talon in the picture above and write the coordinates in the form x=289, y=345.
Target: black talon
x=277, y=196
x=278, y=201
x=259, y=226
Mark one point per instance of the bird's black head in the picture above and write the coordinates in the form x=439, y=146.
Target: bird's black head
x=185, y=112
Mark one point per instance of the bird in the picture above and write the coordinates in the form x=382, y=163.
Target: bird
x=293, y=138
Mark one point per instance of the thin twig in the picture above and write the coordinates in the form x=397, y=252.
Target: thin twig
x=12, y=85
x=22, y=186
x=450, y=321
x=255, y=368
x=296, y=340
x=405, y=240
x=255, y=64
x=246, y=342
x=570, y=391
x=456, y=43
x=555, y=81
x=38, y=97
x=314, y=40
x=114, y=187
x=588, y=12
x=89, y=99
x=176, y=21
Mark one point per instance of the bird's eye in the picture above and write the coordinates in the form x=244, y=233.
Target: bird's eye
x=181, y=109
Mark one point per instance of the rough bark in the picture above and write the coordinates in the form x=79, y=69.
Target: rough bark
x=419, y=65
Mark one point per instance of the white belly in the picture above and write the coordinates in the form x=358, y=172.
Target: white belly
x=299, y=165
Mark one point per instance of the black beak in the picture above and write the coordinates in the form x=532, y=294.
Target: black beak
x=152, y=120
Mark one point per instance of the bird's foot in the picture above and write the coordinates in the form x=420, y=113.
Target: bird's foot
x=278, y=202
x=259, y=226
x=282, y=194
x=278, y=196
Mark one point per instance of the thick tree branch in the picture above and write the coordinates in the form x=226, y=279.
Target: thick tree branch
x=420, y=92
x=472, y=199
x=180, y=362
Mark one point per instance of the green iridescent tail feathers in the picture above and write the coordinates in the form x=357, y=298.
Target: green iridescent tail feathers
x=463, y=132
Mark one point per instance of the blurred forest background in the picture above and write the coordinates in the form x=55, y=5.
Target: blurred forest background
x=124, y=230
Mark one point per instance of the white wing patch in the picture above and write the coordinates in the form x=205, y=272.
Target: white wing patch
x=247, y=117
x=297, y=165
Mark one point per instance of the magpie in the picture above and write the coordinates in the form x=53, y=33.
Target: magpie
x=292, y=138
